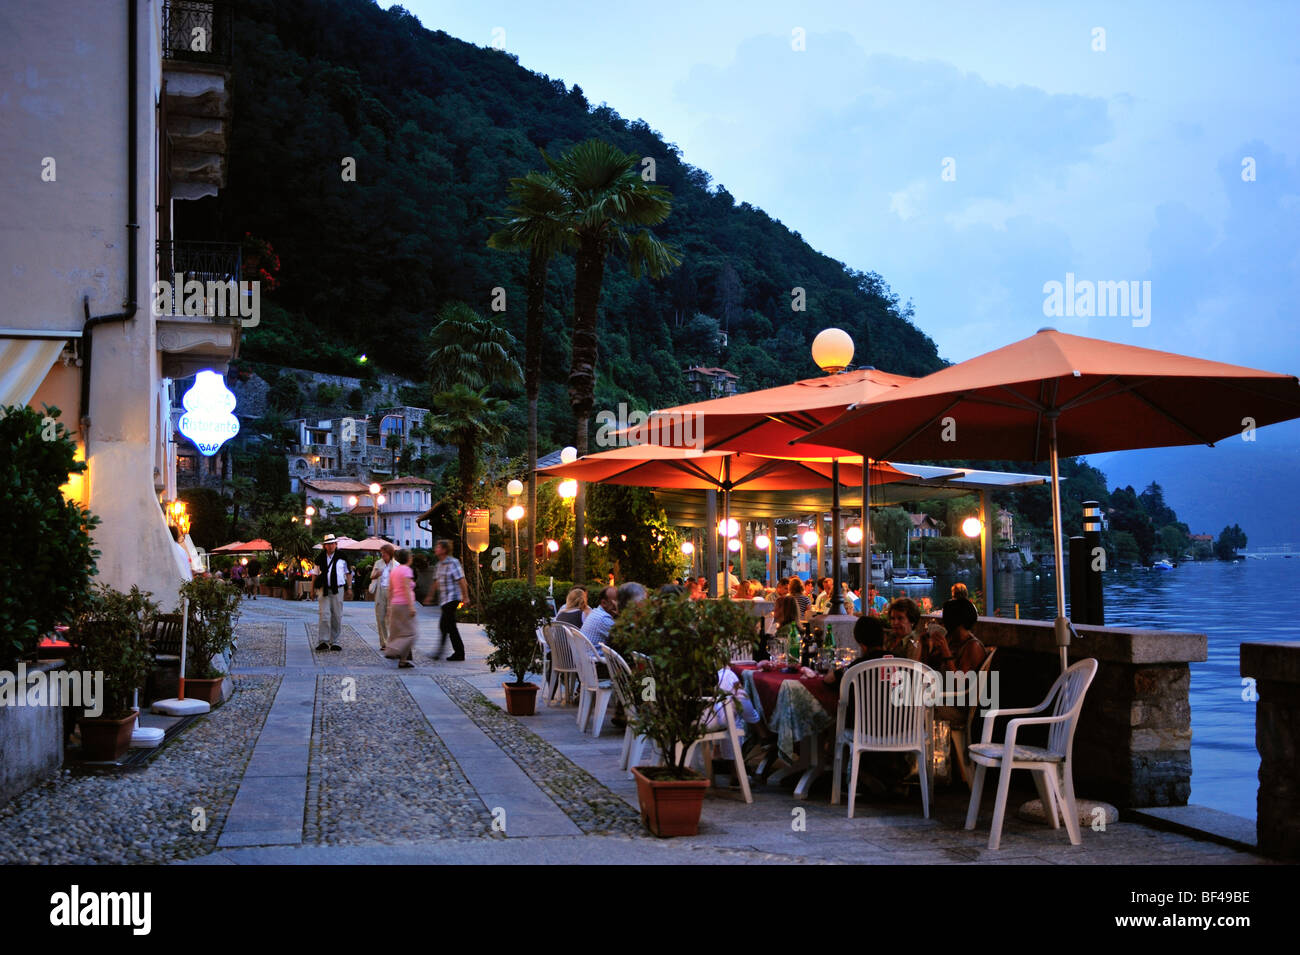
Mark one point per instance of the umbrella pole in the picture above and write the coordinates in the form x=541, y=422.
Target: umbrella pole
x=837, y=602
x=866, y=532
x=1061, y=624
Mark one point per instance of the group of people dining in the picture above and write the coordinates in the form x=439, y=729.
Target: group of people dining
x=894, y=628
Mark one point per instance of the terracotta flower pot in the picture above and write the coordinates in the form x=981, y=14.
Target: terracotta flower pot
x=521, y=699
x=670, y=807
x=209, y=691
x=105, y=740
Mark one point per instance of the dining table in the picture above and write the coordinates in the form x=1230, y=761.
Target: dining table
x=798, y=709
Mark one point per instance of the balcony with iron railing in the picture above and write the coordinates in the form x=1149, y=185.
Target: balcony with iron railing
x=215, y=264
x=198, y=331
x=197, y=41
x=198, y=31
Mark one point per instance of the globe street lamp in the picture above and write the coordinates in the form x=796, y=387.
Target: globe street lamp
x=374, y=504
x=513, y=515
x=832, y=350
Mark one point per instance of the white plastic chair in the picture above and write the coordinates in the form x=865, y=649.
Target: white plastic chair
x=594, y=693
x=726, y=731
x=892, y=713
x=1066, y=700
x=563, y=671
x=620, y=675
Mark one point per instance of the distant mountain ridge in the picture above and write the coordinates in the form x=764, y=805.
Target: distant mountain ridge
x=435, y=128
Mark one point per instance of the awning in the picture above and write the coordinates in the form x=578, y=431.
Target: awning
x=24, y=363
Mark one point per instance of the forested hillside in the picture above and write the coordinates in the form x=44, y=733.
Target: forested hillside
x=437, y=127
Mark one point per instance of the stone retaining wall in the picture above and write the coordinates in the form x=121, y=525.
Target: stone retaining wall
x=1275, y=668
x=1133, y=744
x=31, y=739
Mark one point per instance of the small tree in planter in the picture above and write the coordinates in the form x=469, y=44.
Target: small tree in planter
x=676, y=647
x=110, y=633
x=213, y=611
x=511, y=617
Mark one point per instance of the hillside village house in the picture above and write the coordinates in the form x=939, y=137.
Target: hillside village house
x=118, y=117
x=923, y=526
x=404, y=500
x=362, y=444
x=710, y=382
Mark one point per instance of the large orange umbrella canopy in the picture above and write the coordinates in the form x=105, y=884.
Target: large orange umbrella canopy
x=1104, y=396
x=766, y=421
x=651, y=465
x=255, y=546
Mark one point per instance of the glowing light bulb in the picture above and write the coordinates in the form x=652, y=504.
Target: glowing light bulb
x=854, y=535
x=762, y=542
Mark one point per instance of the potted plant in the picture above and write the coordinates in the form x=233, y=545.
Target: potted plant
x=511, y=617
x=110, y=632
x=214, y=606
x=676, y=647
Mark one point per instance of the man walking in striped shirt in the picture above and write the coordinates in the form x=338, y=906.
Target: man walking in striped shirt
x=450, y=586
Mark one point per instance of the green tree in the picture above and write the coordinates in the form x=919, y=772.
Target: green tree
x=890, y=526
x=466, y=418
x=207, y=511
x=290, y=539
x=52, y=558
x=642, y=545
x=1174, y=540
x=284, y=394
x=1230, y=540
x=1124, y=548
x=241, y=492
x=611, y=208
x=271, y=474
x=537, y=225
x=467, y=349
x=1153, y=502
x=1128, y=514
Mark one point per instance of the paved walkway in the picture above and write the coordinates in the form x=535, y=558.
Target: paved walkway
x=358, y=762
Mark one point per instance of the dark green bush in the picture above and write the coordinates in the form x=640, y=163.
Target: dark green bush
x=49, y=537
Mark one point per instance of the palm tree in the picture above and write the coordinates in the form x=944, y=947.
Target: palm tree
x=465, y=418
x=537, y=224
x=465, y=348
x=241, y=492
x=609, y=207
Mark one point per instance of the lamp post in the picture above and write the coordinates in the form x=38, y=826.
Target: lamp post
x=374, y=504
x=832, y=350
x=513, y=514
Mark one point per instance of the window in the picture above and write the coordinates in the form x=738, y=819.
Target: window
x=338, y=502
x=407, y=498
x=408, y=524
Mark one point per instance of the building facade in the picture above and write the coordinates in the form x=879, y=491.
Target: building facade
x=405, y=500
x=115, y=113
x=704, y=383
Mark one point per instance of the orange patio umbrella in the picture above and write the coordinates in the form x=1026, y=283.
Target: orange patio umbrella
x=1053, y=394
x=766, y=421
x=652, y=465
x=254, y=546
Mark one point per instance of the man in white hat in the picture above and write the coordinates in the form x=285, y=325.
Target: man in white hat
x=330, y=582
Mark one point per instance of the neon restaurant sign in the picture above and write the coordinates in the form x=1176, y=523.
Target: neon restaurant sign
x=207, y=420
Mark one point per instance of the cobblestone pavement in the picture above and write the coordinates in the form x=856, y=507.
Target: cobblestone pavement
x=261, y=645
x=379, y=773
x=147, y=815
x=583, y=799
x=370, y=764
x=355, y=652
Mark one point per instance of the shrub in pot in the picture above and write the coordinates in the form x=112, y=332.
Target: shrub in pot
x=110, y=631
x=680, y=645
x=511, y=616
x=213, y=611
x=50, y=536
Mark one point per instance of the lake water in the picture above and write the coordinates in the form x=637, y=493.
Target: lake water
x=1227, y=602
